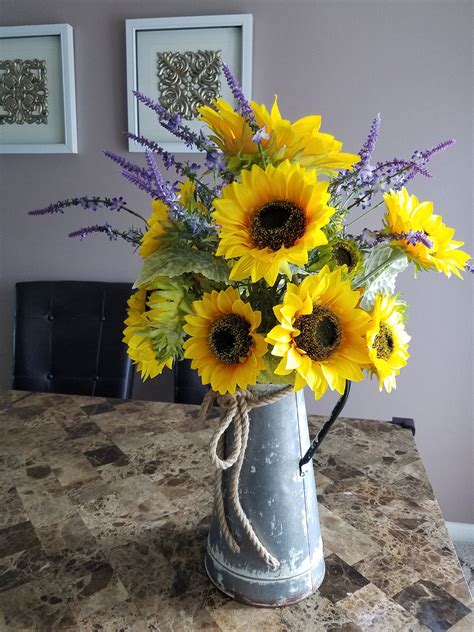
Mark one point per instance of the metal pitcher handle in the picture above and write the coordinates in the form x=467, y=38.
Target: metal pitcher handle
x=316, y=442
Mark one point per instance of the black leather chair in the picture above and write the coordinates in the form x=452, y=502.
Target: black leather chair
x=68, y=338
x=188, y=388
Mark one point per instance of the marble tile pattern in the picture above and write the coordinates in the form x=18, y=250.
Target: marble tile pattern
x=104, y=511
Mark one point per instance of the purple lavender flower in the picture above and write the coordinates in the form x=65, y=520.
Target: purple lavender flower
x=116, y=203
x=368, y=147
x=260, y=134
x=162, y=113
x=106, y=228
x=366, y=180
x=91, y=204
x=143, y=182
x=163, y=190
x=242, y=103
x=88, y=203
x=173, y=124
x=124, y=163
x=57, y=207
x=215, y=160
x=369, y=237
x=429, y=153
x=168, y=158
x=415, y=237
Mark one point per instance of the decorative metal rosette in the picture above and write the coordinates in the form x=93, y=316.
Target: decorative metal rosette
x=188, y=80
x=23, y=91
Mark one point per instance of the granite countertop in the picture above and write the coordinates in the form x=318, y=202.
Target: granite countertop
x=105, y=509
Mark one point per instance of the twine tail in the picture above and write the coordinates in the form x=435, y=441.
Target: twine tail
x=235, y=409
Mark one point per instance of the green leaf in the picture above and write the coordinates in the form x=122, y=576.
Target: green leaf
x=176, y=260
x=381, y=268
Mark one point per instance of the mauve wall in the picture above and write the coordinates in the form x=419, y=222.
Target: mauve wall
x=347, y=60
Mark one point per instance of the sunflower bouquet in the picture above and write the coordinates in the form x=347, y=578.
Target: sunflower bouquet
x=250, y=267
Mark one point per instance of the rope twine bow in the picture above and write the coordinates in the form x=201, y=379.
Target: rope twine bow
x=235, y=410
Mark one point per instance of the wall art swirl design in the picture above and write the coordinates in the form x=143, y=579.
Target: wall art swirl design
x=23, y=91
x=188, y=80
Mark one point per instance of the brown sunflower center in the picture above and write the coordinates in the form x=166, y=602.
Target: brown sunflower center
x=383, y=342
x=321, y=333
x=343, y=255
x=276, y=224
x=229, y=338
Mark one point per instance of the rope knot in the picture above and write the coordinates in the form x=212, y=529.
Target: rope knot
x=235, y=410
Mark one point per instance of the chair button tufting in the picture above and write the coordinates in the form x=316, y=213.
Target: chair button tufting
x=95, y=378
x=103, y=318
x=50, y=317
x=49, y=376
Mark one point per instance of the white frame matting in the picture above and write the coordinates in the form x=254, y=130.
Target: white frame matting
x=180, y=34
x=62, y=92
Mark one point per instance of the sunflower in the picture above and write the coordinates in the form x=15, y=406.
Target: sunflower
x=270, y=219
x=338, y=253
x=322, y=333
x=303, y=141
x=151, y=239
x=387, y=341
x=223, y=345
x=168, y=303
x=300, y=141
x=139, y=345
x=406, y=214
x=231, y=132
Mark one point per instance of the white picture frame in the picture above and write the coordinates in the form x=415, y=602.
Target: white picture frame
x=59, y=134
x=145, y=38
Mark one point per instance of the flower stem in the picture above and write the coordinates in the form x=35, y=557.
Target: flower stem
x=372, y=208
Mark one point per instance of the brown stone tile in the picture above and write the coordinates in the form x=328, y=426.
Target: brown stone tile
x=431, y=605
x=38, y=605
x=234, y=616
x=70, y=533
x=387, y=573
x=12, y=510
x=120, y=616
x=99, y=408
x=85, y=491
x=351, y=544
x=80, y=430
x=21, y=568
x=106, y=454
x=71, y=468
x=340, y=580
x=341, y=471
x=142, y=500
x=9, y=398
x=466, y=624
x=316, y=614
x=44, y=501
x=108, y=521
x=373, y=611
x=18, y=537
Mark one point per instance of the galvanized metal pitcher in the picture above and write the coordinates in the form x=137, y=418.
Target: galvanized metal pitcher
x=282, y=507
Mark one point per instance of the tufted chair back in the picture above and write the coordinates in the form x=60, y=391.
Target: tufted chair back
x=68, y=338
x=188, y=388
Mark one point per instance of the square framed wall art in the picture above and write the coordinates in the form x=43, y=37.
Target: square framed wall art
x=37, y=90
x=177, y=62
